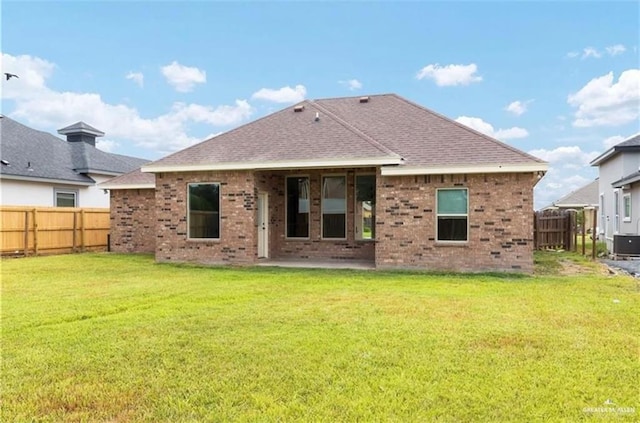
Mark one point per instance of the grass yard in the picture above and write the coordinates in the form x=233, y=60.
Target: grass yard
x=118, y=338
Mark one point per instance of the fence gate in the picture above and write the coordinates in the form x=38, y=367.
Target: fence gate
x=554, y=229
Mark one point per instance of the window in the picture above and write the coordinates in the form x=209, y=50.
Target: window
x=452, y=214
x=616, y=211
x=365, y=211
x=334, y=207
x=603, y=217
x=65, y=198
x=204, y=211
x=626, y=207
x=298, y=207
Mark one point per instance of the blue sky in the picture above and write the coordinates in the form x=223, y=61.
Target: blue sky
x=560, y=80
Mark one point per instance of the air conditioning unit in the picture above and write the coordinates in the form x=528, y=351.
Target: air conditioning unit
x=628, y=245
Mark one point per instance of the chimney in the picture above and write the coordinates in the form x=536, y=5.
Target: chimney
x=81, y=132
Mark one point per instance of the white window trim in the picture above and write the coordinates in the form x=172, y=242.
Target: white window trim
x=346, y=205
x=75, y=192
x=219, y=212
x=603, y=216
x=355, y=204
x=616, y=211
x=626, y=197
x=286, y=209
x=446, y=241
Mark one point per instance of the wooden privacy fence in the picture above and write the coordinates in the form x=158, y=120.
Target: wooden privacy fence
x=52, y=230
x=555, y=229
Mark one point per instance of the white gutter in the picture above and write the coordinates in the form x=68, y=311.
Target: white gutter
x=45, y=180
x=287, y=164
x=447, y=170
x=106, y=185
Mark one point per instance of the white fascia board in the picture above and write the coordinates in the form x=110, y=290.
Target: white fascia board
x=124, y=186
x=289, y=164
x=46, y=180
x=447, y=170
x=603, y=157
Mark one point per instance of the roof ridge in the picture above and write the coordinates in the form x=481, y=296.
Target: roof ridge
x=354, y=129
x=465, y=127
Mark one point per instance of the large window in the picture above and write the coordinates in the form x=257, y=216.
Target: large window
x=65, y=198
x=452, y=214
x=298, y=207
x=334, y=207
x=204, y=211
x=626, y=207
x=365, y=211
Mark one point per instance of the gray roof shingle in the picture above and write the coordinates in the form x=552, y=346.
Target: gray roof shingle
x=36, y=154
x=384, y=127
x=585, y=196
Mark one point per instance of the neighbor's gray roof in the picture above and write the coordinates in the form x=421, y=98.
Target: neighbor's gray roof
x=79, y=127
x=628, y=179
x=630, y=144
x=587, y=196
x=51, y=158
x=387, y=126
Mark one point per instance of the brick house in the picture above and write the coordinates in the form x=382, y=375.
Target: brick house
x=375, y=179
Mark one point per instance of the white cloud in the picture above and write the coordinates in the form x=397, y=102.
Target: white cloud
x=136, y=77
x=518, y=107
x=183, y=78
x=611, y=141
x=44, y=108
x=616, y=49
x=282, y=95
x=488, y=129
x=107, y=145
x=590, y=52
x=568, y=157
x=450, y=75
x=603, y=102
x=352, y=84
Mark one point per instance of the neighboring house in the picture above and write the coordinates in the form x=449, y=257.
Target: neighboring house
x=374, y=179
x=40, y=169
x=583, y=198
x=619, y=191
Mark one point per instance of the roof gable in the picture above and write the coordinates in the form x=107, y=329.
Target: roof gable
x=587, y=195
x=630, y=144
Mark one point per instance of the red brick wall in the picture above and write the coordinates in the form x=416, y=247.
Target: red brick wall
x=500, y=223
x=314, y=247
x=237, y=244
x=133, y=221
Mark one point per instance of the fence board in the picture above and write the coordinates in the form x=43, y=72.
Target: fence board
x=555, y=229
x=52, y=230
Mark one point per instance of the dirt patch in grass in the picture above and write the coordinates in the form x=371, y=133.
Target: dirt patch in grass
x=572, y=268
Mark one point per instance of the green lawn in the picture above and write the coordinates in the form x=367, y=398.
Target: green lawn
x=117, y=338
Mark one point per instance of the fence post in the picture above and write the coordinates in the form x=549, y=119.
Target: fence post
x=35, y=231
x=26, y=233
x=584, y=230
x=535, y=231
x=75, y=229
x=82, y=225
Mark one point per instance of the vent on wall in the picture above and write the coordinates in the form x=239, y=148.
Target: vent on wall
x=364, y=99
x=298, y=108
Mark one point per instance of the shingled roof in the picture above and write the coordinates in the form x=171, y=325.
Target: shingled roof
x=630, y=144
x=586, y=196
x=30, y=154
x=380, y=130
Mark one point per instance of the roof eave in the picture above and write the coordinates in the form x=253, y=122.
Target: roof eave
x=45, y=180
x=276, y=165
x=106, y=185
x=459, y=169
